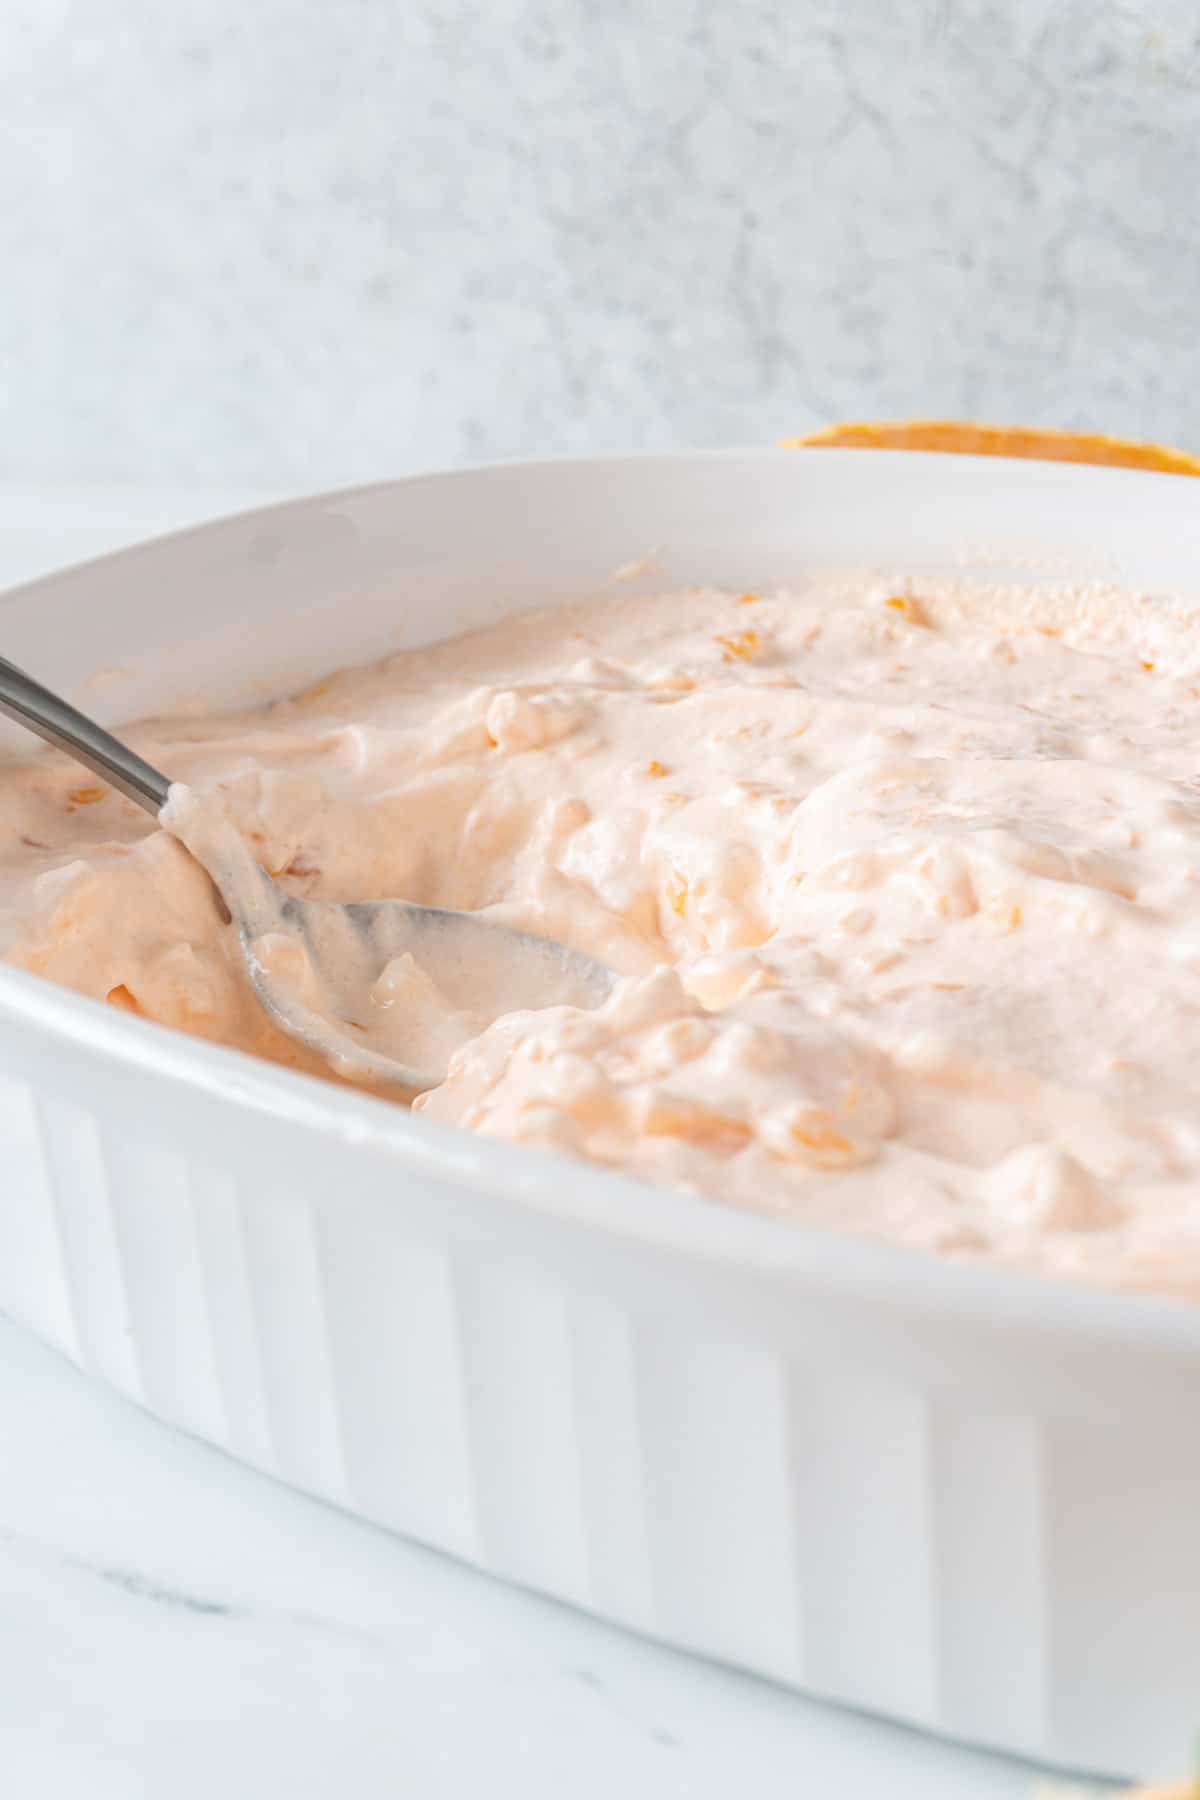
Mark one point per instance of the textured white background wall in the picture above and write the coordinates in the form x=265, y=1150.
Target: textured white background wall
x=291, y=242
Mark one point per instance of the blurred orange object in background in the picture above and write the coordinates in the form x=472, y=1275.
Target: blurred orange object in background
x=964, y=438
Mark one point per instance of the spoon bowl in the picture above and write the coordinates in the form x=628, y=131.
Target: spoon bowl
x=480, y=968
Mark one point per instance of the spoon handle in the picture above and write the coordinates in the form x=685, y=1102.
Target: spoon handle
x=62, y=725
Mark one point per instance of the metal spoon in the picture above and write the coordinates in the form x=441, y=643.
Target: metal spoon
x=342, y=949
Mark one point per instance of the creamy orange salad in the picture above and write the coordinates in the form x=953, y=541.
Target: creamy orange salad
x=902, y=878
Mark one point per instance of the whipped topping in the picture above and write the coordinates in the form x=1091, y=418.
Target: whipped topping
x=902, y=879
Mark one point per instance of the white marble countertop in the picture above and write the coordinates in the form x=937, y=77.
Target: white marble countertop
x=307, y=238
x=174, y=1624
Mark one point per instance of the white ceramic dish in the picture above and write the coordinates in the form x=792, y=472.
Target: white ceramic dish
x=963, y=1498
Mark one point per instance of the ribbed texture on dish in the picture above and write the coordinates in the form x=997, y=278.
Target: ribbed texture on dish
x=843, y=1530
